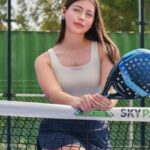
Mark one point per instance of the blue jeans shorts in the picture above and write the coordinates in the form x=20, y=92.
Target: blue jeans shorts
x=92, y=135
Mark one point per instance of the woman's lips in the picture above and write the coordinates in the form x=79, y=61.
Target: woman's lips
x=79, y=25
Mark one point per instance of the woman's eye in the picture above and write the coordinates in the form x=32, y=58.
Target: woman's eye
x=90, y=15
x=77, y=10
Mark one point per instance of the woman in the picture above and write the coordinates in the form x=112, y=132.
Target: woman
x=74, y=73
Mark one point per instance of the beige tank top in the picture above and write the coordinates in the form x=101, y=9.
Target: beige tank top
x=80, y=80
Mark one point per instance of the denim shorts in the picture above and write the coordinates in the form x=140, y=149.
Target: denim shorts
x=92, y=135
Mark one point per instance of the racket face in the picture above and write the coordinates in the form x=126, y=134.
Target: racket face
x=131, y=76
x=136, y=72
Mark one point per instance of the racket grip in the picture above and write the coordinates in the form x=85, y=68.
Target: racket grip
x=119, y=97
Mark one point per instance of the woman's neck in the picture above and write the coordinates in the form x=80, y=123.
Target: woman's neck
x=74, y=40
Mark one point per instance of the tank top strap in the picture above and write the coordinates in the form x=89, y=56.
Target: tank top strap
x=54, y=59
x=94, y=51
x=50, y=52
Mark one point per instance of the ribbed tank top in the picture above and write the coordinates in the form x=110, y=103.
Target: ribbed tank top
x=80, y=80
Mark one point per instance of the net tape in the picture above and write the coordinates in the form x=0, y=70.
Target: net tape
x=55, y=111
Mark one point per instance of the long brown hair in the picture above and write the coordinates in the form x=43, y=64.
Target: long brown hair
x=96, y=33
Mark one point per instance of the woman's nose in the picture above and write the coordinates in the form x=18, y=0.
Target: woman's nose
x=82, y=16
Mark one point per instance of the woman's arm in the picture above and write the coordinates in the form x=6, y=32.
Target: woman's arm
x=106, y=66
x=52, y=89
x=100, y=101
x=48, y=82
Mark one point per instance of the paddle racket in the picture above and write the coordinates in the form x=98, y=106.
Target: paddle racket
x=130, y=77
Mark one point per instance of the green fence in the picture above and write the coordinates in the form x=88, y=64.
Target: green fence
x=26, y=46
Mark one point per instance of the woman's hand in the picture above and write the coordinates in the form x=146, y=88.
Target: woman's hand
x=102, y=103
x=84, y=103
x=88, y=102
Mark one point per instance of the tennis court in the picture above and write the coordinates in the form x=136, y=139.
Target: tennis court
x=18, y=51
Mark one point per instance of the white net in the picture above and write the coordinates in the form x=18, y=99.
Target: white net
x=21, y=121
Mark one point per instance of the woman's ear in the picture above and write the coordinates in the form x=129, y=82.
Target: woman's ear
x=63, y=12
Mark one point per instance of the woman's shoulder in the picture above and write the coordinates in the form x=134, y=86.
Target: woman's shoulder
x=43, y=58
x=102, y=50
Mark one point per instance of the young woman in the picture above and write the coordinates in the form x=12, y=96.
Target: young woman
x=74, y=73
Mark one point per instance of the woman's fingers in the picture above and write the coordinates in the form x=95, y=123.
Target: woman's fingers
x=101, y=102
x=86, y=103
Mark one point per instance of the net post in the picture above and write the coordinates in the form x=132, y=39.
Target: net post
x=9, y=94
x=131, y=128
x=141, y=32
x=142, y=128
x=142, y=139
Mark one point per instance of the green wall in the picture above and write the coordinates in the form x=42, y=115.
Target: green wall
x=26, y=46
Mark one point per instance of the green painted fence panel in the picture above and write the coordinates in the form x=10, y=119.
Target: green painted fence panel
x=26, y=46
x=3, y=62
x=125, y=41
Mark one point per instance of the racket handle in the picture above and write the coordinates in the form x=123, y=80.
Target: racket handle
x=119, y=97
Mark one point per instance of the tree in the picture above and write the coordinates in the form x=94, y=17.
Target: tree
x=147, y=15
x=44, y=15
x=120, y=15
x=3, y=14
x=21, y=16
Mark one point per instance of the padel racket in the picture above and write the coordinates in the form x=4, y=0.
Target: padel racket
x=130, y=77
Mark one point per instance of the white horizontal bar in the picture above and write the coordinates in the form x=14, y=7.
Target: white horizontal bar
x=26, y=95
x=29, y=95
x=45, y=110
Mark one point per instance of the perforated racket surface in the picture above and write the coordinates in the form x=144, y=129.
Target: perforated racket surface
x=130, y=77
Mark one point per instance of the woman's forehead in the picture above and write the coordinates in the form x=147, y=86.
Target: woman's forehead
x=86, y=4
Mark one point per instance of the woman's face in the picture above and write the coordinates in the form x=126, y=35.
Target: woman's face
x=79, y=16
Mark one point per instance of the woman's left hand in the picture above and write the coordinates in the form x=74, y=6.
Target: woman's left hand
x=100, y=102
